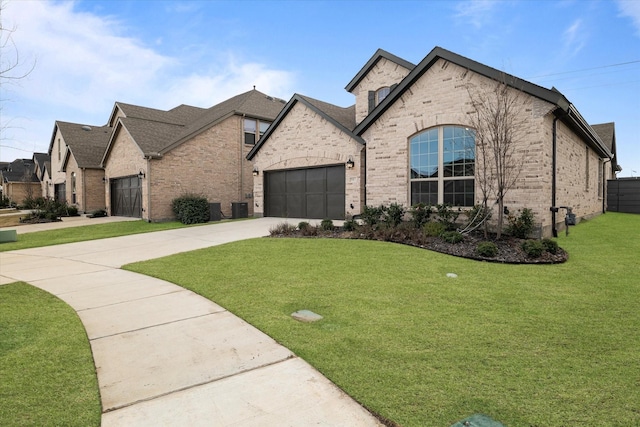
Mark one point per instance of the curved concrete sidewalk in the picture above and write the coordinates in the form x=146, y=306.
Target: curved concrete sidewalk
x=168, y=357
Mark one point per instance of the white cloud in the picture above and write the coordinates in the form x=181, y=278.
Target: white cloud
x=574, y=38
x=631, y=8
x=86, y=62
x=478, y=12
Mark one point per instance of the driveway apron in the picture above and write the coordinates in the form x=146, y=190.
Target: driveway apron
x=165, y=356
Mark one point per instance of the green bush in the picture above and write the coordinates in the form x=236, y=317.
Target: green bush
x=533, y=248
x=326, y=225
x=191, y=209
x=350, y=225
x=5, y=202
x=433, y=228
x=420, y=214
x=303, y=225
x=284, y=228
x=448, y=216
x=521, y=225
x=393, y=214
x=487, y=249
x=372, y=215
x=72, y=210
x=550, y=246
x=98, y=213
x=478, y=214
x=452, y=236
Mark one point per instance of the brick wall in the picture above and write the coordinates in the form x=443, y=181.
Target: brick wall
x=384, y=73
x=305, y=139
x=58, y=150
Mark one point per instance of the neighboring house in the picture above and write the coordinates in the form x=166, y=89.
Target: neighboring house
x=19, y=181
x=77, y=175
x=154, y=156
x=400, y=144
x=42, y=166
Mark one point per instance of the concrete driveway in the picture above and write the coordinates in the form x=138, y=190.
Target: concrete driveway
x=165, y=356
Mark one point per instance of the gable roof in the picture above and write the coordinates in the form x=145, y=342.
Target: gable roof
x=379, y=54
x=607, y=133
x=157, y=132
x=20, y=170
x=43, y=162
x=341, y=117
x=564, y=111
x=86, y=143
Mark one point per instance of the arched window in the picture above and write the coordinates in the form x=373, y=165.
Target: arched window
x=443, y=166
x=381, y=94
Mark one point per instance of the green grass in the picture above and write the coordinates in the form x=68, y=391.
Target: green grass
x=528, y=345
x=86, y=232
x=47, y=374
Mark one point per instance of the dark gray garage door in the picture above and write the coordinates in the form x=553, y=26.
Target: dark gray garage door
x=126, y=197
x=305, y=193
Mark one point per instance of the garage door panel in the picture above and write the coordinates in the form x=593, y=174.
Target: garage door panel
x=306, y=193
x=126, y=197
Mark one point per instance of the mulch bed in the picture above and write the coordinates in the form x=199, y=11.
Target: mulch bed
x=509, y=248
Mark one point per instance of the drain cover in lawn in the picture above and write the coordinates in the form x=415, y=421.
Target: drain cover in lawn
x=306, y=316
x=478, y=420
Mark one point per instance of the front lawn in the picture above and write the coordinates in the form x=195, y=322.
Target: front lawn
x=47, y=375
x=86, y=232
x=543, y=345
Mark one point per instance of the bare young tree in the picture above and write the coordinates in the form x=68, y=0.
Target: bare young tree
x=11, y=65
x=499, y=122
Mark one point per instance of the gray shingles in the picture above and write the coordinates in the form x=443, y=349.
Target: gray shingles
x=86, y=143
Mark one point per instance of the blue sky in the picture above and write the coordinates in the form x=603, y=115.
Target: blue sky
x=160, y=54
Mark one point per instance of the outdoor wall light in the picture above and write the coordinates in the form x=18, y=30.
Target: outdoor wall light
x=141, y=174
x=105, y=179
x=350, y=163
x=256, y=172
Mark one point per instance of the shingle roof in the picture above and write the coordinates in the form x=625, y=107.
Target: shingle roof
x=20, y=170
x=380, y=53
x=606, y=131
x=342, y=118
x=156, y=132
x=86, y=143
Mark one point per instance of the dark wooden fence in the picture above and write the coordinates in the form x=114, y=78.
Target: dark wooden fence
x=623, y=195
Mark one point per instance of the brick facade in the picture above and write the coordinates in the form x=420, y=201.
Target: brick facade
x=58, y=150
x=306, y=139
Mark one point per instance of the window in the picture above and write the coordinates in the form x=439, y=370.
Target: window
x=381, y=94
x=250, y=127
x=73, y=187
x=586, y=156
x=600, y=179
x=443, y=166
x=59, y=149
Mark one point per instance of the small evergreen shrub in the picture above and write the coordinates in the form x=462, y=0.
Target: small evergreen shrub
x=190, y=209
x=521, y=225
x=350, y=225
x=372, y=216
x=452, y=237
x=326, y=225
x=420, y=214
x=303, y=225
x=72, y=210
x=533, y=248
x=433, y=228
x=98, y=213
x=478, y=214
x=550, y=246
x=487, y=249
x=448, y=216
x=393, y=214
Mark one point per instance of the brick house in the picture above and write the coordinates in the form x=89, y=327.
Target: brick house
x=42, y=168
x=154, y=156
x=400, y=143
x=75, y=152
x=19, y=181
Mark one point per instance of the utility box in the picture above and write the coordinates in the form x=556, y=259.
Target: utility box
x=570, y=219
x=215, y=213
x=239, y=210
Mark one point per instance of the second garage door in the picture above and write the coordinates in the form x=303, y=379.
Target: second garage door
x=126, y=197
x=305, y=193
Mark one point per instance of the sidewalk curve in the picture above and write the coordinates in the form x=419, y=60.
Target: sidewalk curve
x=168, y=357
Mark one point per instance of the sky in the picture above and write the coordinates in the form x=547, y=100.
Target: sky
x=81, y=57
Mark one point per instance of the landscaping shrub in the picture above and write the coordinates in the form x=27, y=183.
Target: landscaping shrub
x=326, y=225
x=477, y=214
x=97, y=213
x=72, y=210
x=521, y=225
x=487, y=249
x=533, y=248
x=303, y=225
x=393, y=214
x=550, y=246
x=420, y=214
x=284, y=228
x=433, y=228
x=448, y=216
x=350, y=225
x=190, y=209
x=5, y=202
x=452, y=236
x=372, y=216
